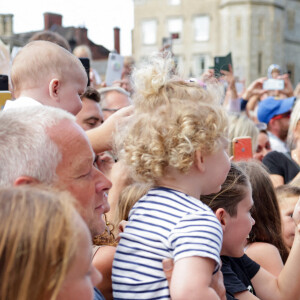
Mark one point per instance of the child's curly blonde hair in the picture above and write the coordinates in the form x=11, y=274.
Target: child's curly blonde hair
x=173, y=119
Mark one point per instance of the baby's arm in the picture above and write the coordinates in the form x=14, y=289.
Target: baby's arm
x=191, y=279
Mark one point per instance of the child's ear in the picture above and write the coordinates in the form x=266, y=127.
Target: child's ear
x=54, y=87
x=199, y=161
x=222, y=216
x=25, y=180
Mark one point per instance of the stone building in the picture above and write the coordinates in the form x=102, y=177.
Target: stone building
x=53, y=22
x=256, y=32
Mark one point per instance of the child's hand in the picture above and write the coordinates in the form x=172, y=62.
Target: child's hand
x=296, y=213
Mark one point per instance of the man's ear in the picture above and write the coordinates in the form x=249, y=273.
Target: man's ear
x=54, y=88
x=222, y=216
x=25, y=180
x=199, y=161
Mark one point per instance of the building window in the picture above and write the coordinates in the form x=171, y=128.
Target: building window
x=291, y=72
x=278, y=31
x=259, y=63
x=291, y=19
x=201, y=28
x=174, y=2
x=261, y=28
x=149, y=30
x=200, y=64
x=178, y=61
x=175, y=28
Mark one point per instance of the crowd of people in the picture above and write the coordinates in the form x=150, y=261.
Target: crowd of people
x=130, y=191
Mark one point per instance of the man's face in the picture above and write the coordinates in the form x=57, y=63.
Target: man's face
x=90, y=116
x=77, y=174
x=114, y=101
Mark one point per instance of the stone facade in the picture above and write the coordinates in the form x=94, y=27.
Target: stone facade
x=258, y=33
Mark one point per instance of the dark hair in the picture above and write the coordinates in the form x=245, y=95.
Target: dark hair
x=92, y=94
x=265, y=212
x=51, y=36
x=285, y=191
x=233, y=191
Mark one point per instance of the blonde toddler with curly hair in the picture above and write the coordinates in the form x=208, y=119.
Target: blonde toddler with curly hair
x=176, y=141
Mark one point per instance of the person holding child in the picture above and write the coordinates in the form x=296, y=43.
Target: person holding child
x=176, y=141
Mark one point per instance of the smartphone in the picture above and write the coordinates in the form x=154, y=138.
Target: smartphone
x=86, y=63
x=5, y=94
x=242, y=148
x=273, y=84
x=114, y=68
x=222, y=63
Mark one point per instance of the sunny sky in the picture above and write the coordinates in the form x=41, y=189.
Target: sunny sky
x=98, y=16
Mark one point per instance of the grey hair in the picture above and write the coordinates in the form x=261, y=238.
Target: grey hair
x=25, y=147
x=104, y=91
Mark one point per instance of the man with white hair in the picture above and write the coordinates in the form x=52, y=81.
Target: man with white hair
x=40, y=144
x=113, y=99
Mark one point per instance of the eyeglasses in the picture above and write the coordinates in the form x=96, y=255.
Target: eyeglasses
x=281, y=116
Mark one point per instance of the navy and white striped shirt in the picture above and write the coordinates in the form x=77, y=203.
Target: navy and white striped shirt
x=163, y=224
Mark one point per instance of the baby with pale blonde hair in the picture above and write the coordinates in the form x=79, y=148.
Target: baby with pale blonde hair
x=45, y=73
x=176, y=141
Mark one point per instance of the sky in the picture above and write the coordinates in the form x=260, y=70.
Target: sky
x=98, y=16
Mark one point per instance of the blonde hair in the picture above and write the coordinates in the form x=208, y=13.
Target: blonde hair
x=295, y=117
x=156, y=83
x=38, y=240
x=173, y=119
x=128, y=197
x=83, y=51
x=42, y=60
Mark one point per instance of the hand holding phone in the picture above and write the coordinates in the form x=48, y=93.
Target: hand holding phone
x=86, y=63
x=222, y=63
x=273, y=84
x=242, y=148
x=114, y=68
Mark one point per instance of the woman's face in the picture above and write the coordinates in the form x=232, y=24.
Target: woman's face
x=82, y=276
x=263, y=146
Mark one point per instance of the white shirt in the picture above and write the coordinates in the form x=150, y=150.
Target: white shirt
x=20, y=102
x=163, y=224
x=277, y=144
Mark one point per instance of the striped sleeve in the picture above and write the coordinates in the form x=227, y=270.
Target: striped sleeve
x=197, y=234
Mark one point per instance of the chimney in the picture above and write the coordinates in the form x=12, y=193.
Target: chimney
x=6, y=24
x=81, y=36
x=51, y=19
x=117, y=39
